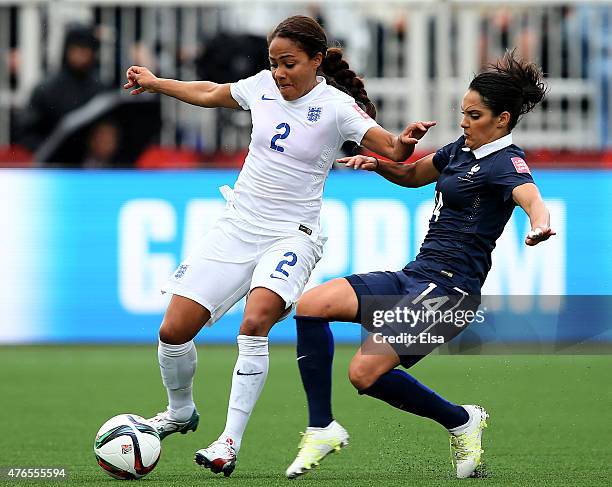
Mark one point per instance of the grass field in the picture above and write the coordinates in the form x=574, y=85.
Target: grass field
x=551, y=418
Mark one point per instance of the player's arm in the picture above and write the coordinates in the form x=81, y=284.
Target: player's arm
x=202, y=93
x=413, y=175
x=528, y=198
x=395, y=147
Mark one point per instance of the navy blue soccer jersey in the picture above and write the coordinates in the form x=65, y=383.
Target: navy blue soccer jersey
x=473, y=203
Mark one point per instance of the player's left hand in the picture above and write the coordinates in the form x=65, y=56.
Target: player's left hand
x=415, y=132
x=538, y=235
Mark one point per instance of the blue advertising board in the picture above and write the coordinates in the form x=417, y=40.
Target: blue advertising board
x=83, y=253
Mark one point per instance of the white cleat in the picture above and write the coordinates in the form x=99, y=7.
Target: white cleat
x=165, y=425
x=466, y=444
x=316, y=444
x=219, y=457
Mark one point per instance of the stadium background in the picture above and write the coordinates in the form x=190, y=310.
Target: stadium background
x=87, y=237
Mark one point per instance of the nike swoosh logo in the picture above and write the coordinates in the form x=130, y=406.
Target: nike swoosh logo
x=263, y=97
x=276, y=277
x=245, y=373
x=301, y=357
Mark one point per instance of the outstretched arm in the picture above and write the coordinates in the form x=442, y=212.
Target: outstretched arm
x=528, y=198
x=397, y=148
x=202, y=93
x=419, y=173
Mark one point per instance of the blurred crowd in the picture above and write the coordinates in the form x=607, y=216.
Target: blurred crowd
x=77, y=117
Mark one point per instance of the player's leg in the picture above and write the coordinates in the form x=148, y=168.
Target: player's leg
x=177, y=362
x=204, y=287
x=373, y=372
x=278, y=280
x=263, y=309
x=332, y=301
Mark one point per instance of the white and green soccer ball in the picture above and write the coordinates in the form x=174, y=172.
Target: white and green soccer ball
x=127, y=447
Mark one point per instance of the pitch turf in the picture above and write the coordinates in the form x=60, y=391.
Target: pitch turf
x=551, y=420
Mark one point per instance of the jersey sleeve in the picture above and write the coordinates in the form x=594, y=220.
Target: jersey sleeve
x=442, y=156
x=508, y=172
x=353, y=122
x=245, y=90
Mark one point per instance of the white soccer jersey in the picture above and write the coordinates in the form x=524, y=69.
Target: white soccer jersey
x=293, y=145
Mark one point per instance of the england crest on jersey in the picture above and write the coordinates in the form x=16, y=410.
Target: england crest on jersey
x=314, y=114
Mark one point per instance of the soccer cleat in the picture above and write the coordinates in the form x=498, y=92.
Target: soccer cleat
x=165, y=425
x=466, y=445
x=316, y=444
x=219, y=457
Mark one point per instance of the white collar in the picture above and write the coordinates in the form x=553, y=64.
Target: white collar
x=488, y=149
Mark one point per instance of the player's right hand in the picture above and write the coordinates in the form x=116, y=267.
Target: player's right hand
x=367, y=163
x=140, y=79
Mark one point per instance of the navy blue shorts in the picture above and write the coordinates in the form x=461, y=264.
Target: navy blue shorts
x=427, y=309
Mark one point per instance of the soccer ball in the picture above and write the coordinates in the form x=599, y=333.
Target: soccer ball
x=127, y=447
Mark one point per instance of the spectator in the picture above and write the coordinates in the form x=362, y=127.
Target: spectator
x=102, y=146
x=70, y=88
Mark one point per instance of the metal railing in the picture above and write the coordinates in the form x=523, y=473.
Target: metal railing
x=417, y=57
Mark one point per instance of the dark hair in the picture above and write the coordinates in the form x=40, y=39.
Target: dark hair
x=511, y=85
x=311, y=38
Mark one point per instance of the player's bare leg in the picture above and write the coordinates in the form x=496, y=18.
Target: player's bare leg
x=263, y=309
x=177, y=361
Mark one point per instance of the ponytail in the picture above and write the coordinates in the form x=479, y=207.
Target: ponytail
x=338, y=74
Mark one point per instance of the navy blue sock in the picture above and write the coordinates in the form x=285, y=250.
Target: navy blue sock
x=315, y=352
x=404, y=392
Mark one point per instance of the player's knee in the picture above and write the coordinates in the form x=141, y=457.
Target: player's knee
x=314, y=304
x=361, y=376
x=255, y=325
x=171, y=333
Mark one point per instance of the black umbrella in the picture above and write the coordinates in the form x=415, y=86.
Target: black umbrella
x=137, y=119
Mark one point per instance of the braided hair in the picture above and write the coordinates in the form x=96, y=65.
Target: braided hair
x=511, y=85
x=311, y=38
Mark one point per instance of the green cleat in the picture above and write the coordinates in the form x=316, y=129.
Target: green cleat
x=165, y=425
x=316, y=444
x=466, y=442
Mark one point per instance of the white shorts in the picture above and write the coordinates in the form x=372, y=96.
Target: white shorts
x=236, y=256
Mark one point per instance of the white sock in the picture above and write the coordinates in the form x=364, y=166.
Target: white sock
x=177, y=364
x=249, y=377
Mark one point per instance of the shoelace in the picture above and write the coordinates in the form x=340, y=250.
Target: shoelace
x=159, y=417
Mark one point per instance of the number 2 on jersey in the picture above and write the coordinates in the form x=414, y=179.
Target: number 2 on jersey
x=284, y=135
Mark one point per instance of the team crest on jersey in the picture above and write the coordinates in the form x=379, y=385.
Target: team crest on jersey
x=314, y=114
x=468, y=176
